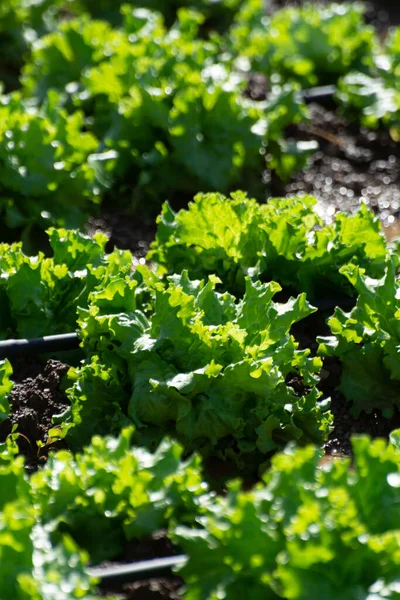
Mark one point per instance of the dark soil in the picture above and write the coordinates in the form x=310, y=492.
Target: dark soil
x=163, y=587
x=125, y=231
x=353, y=165
x=373, y=424
x=36, y=397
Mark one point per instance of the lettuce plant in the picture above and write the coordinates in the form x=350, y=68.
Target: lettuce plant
x=112, y=492
x=85, y=507
x=40, y=295
x=206, y=368
x=166, y=106
x=306, y=532
x=60, y=58
x=171, y=115
x=373, y=97
x=366, y=340
x=21, y=23
x=311, y=44
x=5, y=388
x=283, y=240
x=31, y=566
x=47, y=177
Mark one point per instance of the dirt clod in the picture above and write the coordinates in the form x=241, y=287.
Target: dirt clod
x=35, y=398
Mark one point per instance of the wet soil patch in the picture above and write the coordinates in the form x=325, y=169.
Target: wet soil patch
x=166, y=587
x=353, y=165
x=35, y=398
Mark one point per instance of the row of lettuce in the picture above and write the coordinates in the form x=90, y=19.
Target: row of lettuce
x=150, y=102
x=193, y=343
x=196, y=353
x=305, y=530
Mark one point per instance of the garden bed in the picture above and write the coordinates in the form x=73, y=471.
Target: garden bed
x=353, y=165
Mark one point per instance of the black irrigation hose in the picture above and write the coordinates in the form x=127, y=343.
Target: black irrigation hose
x=145, y=569
x=49, y=343
x=321, y=93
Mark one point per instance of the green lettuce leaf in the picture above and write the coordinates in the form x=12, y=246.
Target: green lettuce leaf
x=41, y=295
x=306, y=532
x=311, y=44
x=373, y=96
x=44, y=157
x=6, y=386
x=366, y=341
x=209, y=369
x=283, y=240
x=112, y=492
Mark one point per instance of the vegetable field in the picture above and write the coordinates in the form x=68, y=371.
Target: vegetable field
x=199, y=204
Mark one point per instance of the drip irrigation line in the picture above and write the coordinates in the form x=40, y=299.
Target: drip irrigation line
x=320, y=93
x=144, y=569
x=49, y=343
